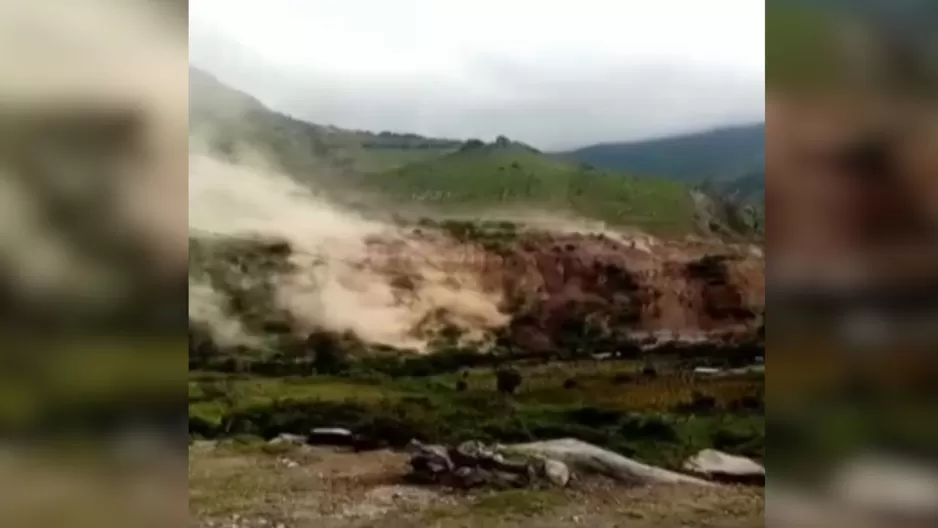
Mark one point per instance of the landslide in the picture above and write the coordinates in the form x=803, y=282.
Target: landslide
x=494, y=284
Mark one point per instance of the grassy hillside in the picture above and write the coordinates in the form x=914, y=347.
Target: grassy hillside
x=508, y=175
x=232, y=120
x=431, y=176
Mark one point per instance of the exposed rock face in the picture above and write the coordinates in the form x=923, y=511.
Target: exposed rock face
x=719, y=466
x=540, y=291
x=609, y=285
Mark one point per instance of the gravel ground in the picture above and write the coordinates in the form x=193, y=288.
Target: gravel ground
x=322, y=488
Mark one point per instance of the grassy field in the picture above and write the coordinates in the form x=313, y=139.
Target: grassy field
x=659, y=417
x=655, y=413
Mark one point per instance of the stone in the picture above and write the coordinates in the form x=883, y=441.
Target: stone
x=288, y=439
x=472, y=464
x=468, y=477
x=429, y=462
x=331, y=436
x=556, y=472
x=723, y=467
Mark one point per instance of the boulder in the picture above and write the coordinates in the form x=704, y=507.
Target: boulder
x=722, y=467
x=429, y=463
x=288, y=439
x=474, y=464
x=556, y=472
x=331, y=436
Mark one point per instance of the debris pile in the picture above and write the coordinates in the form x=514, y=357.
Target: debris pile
x=473, y=464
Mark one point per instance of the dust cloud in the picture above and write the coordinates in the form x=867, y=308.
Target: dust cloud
x=350, y=274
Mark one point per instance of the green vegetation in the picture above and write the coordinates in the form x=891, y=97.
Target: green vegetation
x=659, y=418
x=726, y=163
x=473, y=178
x=237, y=124
x=501, y=177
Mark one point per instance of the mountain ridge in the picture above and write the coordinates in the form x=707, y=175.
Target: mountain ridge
x=721, y=153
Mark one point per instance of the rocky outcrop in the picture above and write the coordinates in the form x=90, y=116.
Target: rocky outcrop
x=552, y=463
x=474, y=465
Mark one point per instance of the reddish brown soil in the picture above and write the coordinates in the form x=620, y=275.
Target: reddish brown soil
x=555, y=285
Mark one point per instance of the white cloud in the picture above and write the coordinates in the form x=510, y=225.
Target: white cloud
x=554, y=74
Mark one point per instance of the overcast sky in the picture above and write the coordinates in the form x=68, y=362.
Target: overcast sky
x=553, y=73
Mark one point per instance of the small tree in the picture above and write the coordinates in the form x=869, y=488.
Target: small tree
x=329, y=355
x=507, y=381
x=649, y=371
x=473, y=144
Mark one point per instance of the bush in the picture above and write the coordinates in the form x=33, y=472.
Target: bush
x=736, y=441
x=570, y=384
x=473, y=144
x=648, y=427
x=594, y=417
x=700, y=403
x=461, y=386
x=507, y=381
x=330, y=355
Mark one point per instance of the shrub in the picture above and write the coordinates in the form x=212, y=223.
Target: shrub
x=570, y=384
x=700, y=403
x=744, y=442
x=649, y=371
x=473, y=144
x=594, y=417
x=330, y=354
x=648, y=427
x=507, y=381
x=461, y=386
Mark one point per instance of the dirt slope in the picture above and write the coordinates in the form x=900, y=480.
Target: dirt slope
x=536, y=290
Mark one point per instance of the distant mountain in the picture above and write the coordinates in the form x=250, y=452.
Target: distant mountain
x=717, y=155
x=412, y=173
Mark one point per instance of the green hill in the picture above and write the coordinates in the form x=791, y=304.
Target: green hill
x=232, y=120
x=508, y=176
x=436, y=176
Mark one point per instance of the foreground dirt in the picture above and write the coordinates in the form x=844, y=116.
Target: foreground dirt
x=313, y=487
